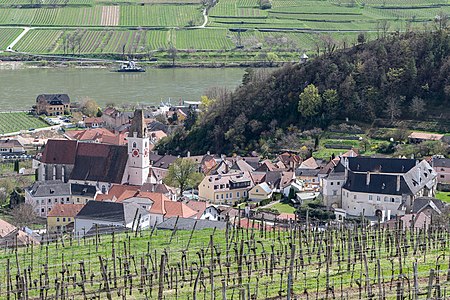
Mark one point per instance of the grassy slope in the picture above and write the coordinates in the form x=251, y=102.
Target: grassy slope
x=17, y=121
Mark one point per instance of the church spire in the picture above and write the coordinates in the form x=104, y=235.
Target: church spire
x=138, y=128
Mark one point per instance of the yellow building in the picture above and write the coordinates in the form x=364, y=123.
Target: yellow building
x=260, y=191
x=61, y=215
x=224, y=189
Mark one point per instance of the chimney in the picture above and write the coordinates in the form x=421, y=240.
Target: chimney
x=189, y=154
x=368, y=178
x=398, y=183
x=345, y=168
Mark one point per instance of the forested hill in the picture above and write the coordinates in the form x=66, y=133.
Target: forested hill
x=405, y=76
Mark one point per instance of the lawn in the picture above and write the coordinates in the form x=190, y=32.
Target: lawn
x=17, y=121
x=284, y=208
x=444, y=196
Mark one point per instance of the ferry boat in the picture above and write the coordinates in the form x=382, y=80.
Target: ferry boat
x=130, y=66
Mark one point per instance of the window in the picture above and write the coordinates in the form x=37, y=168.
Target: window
x=257, y=190
x=216, y=187
x=332, y=183
x=64, y=219
x=68, y=219
x=134, y=144
x=245, y=193
x=338, y=183
x=334, y=192
x=217, y=196
x=49, y=201
x=221, y=196
x=37, y=201
x=237, y=194
x=56, y=200
x=57, y=219
x=442, y=176
x=78, y=200
x=370, y=197
x=354, y=197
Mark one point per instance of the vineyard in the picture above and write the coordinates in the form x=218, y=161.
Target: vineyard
x=255, y=262
x=17, y=121
x=96, y=27
x=7, y=36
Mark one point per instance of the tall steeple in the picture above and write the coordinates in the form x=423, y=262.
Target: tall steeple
x=138, y=150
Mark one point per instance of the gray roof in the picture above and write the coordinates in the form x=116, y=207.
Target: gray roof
x=83, y=190
x=188, y=224
x=49, y=188
x=441, y=162
x=379, y=184
x=422, y=202
x=307, y=172
x=382, y=165
x=130, y=212
x=103, y=211
x=55, y=98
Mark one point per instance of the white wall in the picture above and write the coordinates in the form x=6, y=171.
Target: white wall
x=355, y=203
x=83, y=225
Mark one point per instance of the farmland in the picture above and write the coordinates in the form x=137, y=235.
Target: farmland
x=259, y=263
x=138, y=27
x=7, y=35
x=17, y=121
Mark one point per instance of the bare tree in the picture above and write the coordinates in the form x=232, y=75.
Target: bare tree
x=23, y=215
x=417, y=106
x=393, y=107
x=172, y=54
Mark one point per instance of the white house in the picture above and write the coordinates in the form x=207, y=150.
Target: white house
x=374, y=186
x=110, y=214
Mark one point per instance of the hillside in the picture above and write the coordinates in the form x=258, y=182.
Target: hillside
x=405, y=76
x=148, y=28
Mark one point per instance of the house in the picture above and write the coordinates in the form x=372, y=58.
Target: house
x=260, y=191
x=160, y=168
x=225, y=188
x=156, y=136
x=377, y=186
x=61, y=216
x=43, y=195
x=419, y=137
x=290, y=160
x=114, y=118
x=331, y=189
x=52, y=104
x=111, y=214
x=11, y=146
x=309, y=178
x=158, y=205
x=11, y=236
x=442, y=167
x=204, y=210
x=94, y=122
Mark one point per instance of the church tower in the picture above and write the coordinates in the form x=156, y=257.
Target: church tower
x=138, y=150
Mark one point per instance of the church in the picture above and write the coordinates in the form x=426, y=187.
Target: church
x=98, y=165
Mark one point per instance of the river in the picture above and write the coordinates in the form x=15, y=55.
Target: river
x=19, y=87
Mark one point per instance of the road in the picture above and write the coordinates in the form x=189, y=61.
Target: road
x=26, y=29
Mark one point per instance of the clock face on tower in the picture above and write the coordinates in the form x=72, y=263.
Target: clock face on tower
x=135, y=153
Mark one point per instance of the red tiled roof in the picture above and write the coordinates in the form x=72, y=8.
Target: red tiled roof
x=59, y=152
x=178, y=209
x=197, y=206
x=65, y=210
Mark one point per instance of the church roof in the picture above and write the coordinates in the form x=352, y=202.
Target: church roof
x=100, y=162
x=59, y=152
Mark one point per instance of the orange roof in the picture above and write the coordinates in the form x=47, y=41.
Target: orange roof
x=198, y=206
x=158, y=134
x=93, y=120
x=178, y=209
x=6, y=228
x=65, y=210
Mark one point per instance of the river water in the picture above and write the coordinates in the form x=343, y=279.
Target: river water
x=19, y=87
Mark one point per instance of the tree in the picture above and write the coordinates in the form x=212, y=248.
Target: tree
x=310, y=101
x=393, y=107
x=330, y=102
x=183, y=174
x=23, y=215
x=6, y=187
x=172, y=54
x=417, y=106
x=89, y=107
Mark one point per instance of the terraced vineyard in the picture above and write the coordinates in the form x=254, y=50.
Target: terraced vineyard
x=7, y=36
x=140, y=26
x=17, y=121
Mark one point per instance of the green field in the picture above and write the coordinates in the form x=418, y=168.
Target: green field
x=444, y=196
x=8, y=35
x=17, y=121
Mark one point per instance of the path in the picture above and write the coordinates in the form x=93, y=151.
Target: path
x=205, y=18
x=26, y=29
